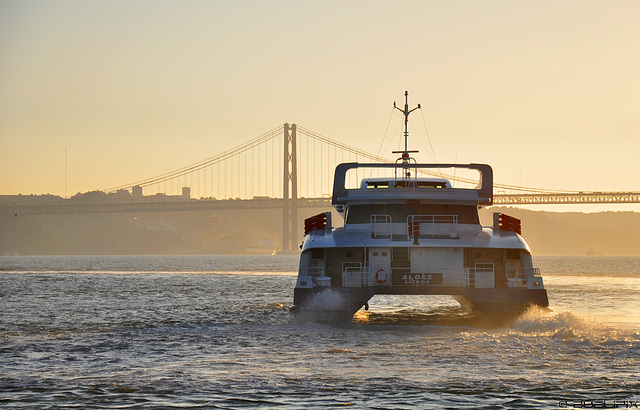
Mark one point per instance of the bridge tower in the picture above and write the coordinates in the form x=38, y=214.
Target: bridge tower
x=290, y=202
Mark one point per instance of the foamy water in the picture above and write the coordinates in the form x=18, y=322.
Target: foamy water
x=214, y=331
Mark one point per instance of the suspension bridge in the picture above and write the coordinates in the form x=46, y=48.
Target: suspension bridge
x=287, y=168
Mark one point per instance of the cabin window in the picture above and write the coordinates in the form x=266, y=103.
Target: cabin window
x=348, y=254
x=317, y=253
x=467, y=214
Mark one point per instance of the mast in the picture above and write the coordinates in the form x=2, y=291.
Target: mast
x=405, y=154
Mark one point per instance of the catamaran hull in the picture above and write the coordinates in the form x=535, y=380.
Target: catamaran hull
x=330, y=304
x=340, y=304
x=513, y=300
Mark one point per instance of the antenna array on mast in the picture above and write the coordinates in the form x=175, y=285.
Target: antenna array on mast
x=405, y=154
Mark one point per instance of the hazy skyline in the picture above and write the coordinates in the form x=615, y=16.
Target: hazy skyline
x=548, y=93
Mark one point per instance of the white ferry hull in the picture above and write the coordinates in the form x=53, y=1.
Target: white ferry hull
x=484, y=269
x=336, y=304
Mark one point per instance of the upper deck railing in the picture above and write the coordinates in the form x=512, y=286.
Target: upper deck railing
x=484, y=191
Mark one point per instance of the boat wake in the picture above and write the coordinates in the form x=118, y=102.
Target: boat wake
x=440, y=316
x=534, y=322
x=327, y=307
x=569, y=326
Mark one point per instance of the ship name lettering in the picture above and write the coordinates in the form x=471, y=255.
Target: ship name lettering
x=417, y=279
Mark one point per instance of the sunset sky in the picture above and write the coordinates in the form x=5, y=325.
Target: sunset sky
x=546, y=92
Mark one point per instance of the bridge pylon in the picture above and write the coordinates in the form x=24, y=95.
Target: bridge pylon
x=290, y=186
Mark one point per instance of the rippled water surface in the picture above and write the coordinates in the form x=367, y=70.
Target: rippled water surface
x=215, y=331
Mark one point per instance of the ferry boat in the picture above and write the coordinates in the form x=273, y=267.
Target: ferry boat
x=406, y=234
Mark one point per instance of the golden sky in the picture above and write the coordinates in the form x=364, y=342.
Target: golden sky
x=546, y=92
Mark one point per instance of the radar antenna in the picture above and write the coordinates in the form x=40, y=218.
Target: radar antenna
x=405, y=154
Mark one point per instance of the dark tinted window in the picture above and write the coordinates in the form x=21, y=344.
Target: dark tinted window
x=467, y=214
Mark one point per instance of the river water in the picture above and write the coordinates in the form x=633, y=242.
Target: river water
x=216, y=332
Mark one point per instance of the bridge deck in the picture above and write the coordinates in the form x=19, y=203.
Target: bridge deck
x=69, y=206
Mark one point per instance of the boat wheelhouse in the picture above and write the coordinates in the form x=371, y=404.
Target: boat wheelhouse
x=408, y=234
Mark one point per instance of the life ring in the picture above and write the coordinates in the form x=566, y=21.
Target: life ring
x=381, y=278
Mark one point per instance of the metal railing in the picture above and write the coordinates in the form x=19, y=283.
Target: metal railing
x=380, y=225
x=482, y=275
x=356, y=276
x=432, y=225
x=315, y=272
x=527, y=272
x=312, y=271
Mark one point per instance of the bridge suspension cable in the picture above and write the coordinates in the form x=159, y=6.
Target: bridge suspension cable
x=255, y=169
x=340, y=145
x=270, y=135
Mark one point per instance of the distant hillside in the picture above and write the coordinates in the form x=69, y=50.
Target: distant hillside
x=574, y=233
x=610, y=233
